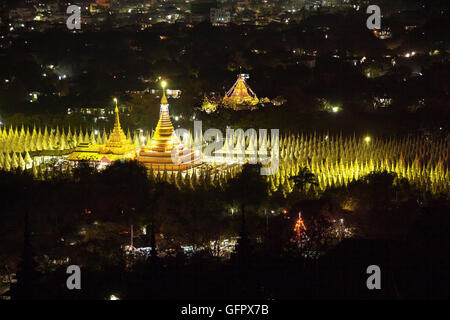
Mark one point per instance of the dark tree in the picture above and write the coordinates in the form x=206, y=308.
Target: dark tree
x=248, y=190
x=304, y=178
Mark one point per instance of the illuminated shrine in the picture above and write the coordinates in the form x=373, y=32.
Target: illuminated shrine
x=117, y=147
x=165, y=151
x=240, y=95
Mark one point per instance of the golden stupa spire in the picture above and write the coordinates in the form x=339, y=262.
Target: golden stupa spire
x=117, y=121
x=117, y=142
x=164, y=99
x=164, y=138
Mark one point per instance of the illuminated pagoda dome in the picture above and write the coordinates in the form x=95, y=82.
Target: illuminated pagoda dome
x=117, y=147
x=240, y=96
x=165, y=151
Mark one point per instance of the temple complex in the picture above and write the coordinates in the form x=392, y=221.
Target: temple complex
x=240, y=96
x=117, y=147
x=165, y=151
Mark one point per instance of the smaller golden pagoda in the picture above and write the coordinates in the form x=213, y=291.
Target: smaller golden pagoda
x=165, y=151
x=117, y=142
x=117, y=147
x=240, y=95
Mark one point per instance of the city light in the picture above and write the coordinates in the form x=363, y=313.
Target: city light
x=149, y=202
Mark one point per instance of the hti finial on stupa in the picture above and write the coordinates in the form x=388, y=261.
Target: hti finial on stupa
x=116, y=112
x=164, y=99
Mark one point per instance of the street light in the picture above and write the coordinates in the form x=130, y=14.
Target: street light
x=367, y=139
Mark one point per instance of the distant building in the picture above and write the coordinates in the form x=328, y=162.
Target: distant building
x=200, y=10
x=219, y=17
x=196, y=18
x=383, y=34
x=242, y=5
x=202, y=6
x=382, y=102
x=21, y=14
x=95, y=114
x=99, y=5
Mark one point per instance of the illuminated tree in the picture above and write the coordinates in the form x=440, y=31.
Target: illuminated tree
x=207, y=106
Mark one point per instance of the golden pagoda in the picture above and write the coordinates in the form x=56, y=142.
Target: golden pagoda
x=117, y=147
x=117, y=143
x=240, y=95
x=165, y=151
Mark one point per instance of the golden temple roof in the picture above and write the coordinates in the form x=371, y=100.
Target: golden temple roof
x=240, y=93
x=164, y=99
